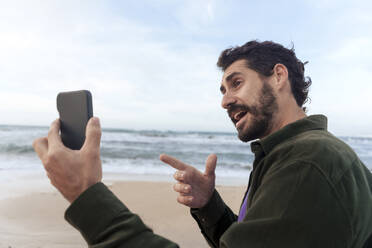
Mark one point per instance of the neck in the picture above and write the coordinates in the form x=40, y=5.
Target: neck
x=283, y=118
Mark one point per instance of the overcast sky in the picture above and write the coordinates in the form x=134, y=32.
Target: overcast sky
x=152, y=64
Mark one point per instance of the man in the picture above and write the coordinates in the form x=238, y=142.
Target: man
x=306, y=189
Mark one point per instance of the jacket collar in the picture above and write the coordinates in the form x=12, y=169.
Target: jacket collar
x=267, y=144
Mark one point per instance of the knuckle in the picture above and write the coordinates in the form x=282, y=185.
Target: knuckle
x=46, y=162
x=186, y=200
x=187, y=189
x=182, y=188
x=175, y=187
x=178, y=175
x=48, y=166
x=182, y=175
x=52, y=157
x=182, y=199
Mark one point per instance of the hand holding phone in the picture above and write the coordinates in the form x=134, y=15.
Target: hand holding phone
x=75, y=109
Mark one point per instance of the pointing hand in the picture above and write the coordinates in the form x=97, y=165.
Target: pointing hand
x=194, y=187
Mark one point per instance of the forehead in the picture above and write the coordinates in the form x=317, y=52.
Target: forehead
x=239, y=66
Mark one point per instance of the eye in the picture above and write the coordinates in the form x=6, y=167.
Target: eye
x=222, y=90
x=236, y=83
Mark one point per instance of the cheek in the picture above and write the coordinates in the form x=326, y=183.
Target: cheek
x=248, y=96
x=248, y=100
x=249, y=117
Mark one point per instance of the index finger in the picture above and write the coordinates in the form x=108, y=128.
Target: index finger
x=175, y=163
x=40, y=146
x=53, y=135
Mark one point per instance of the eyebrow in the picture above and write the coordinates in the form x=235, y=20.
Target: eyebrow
x=229, y=78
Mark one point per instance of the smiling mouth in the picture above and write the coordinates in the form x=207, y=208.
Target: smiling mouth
x=238, y=116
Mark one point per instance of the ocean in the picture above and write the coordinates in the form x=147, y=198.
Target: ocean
x=136, y=153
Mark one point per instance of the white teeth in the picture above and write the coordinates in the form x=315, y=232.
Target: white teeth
x=236, y=116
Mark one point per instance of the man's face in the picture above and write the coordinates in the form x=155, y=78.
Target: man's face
x=249, y=100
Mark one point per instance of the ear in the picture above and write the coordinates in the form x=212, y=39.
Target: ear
x=280, y=74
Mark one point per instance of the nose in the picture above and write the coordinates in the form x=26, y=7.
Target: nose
x=227, y=100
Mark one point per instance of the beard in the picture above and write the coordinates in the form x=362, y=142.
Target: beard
x=261, y=115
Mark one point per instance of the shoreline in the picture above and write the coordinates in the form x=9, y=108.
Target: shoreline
x=20, y=182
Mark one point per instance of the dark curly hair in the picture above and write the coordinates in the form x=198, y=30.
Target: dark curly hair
x=263, y=56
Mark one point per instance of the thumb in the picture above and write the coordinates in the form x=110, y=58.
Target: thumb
x=93, y=135
x=210, y=165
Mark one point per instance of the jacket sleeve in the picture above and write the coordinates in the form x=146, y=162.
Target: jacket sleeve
x=214, y=219
x=104, y=221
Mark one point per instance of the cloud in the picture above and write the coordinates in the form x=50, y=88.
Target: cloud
x=352, y=50
x=342, y=87
x=210, y=9
x=152, y=65
x=136, y=80
x=196, y=15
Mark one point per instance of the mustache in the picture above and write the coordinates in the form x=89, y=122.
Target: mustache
x=233, y=108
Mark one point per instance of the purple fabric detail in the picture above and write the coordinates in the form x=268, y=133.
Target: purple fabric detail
x=243, y=209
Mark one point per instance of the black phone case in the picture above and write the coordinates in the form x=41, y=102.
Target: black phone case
x=75, y=109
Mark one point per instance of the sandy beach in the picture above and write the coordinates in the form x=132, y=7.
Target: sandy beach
x=35, y=219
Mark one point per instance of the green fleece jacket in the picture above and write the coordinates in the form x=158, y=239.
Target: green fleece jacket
x=307, y=189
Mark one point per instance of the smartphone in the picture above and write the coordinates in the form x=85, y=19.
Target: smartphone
x=75, y=109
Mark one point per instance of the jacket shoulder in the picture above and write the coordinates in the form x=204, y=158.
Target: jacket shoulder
x=329, y=154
